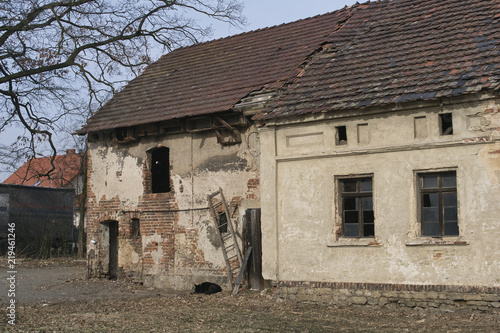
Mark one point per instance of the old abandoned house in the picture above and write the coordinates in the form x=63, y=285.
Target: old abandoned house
x=369, y=137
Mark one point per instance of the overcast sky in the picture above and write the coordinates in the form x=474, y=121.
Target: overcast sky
x=268, y=13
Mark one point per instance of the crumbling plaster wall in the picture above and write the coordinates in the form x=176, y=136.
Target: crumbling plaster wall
x=299, y=200
x=178, y=245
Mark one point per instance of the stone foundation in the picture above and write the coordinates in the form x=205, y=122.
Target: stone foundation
x=442, y=297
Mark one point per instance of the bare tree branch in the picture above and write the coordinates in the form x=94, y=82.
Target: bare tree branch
x=59, y=55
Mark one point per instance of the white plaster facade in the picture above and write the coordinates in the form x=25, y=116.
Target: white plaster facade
x=300, y=166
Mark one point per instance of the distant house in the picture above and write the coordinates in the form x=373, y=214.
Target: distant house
x=21, y=195
x=42, y=217
x=369, y=138
x=66, y=173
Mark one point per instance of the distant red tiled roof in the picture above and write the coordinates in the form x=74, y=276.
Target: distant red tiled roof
x=399, y=51
x=212, y=77
x=377, y=53
x=67, y=168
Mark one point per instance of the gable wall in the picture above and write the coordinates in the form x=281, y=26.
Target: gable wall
x=301, y=225
x=178, y=245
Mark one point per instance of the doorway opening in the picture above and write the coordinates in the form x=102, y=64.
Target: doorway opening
x=109, y=248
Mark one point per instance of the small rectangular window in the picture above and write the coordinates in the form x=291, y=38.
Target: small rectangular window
x=135, y=228
x=340, y=135
x=438, y=206
x=356, y=207
x=446, y=123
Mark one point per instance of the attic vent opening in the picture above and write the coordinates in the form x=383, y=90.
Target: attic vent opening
x=121, y=134
x=341, y=135
x=160, y=170
x=446, y=122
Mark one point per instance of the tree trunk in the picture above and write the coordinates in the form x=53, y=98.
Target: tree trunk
x=82, y=208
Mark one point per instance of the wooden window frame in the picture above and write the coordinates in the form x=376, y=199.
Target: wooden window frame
x=446, y=123
x=358, y=194
x=441, y=189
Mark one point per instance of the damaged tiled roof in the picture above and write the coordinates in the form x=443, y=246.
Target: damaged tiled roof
x=212, y=77
x=32, y=173
x=373, y=54
x=399, y=51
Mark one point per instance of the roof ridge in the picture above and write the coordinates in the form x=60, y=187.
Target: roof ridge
x=270, y=27
x=369, y=54
x=280, y=49
x=409, y=70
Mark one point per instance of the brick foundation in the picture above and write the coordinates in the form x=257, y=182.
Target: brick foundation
x=442, y=297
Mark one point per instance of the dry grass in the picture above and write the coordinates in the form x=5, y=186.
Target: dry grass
x=148, y=310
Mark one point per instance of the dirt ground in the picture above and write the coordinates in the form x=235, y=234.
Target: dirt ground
x=55, y=296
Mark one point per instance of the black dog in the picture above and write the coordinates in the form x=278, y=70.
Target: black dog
x=207, y=288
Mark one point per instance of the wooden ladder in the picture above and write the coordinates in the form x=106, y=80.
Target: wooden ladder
x=221, y=216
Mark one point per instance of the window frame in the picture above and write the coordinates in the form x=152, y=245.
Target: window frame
x=341, y=135
x=445, y=123
x=358, y=194
x=440, y=190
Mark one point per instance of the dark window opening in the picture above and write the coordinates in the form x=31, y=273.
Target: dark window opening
x=121, y=134
x=356, y=207
x=135, y=228
x=438, y=204
x=341, y=135
x=160, y=170
x=446, y=122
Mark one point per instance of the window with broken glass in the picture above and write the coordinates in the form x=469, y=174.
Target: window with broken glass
x=356, y=207
x=438, y=203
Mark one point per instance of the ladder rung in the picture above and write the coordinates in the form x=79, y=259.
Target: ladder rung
x=232, y=257
x=228, y=245
x=217, y=205
x=214, y=194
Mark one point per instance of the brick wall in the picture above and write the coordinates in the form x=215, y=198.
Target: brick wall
x=177, y=245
